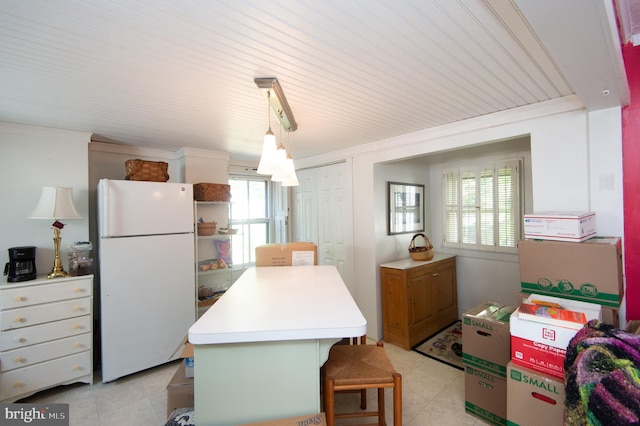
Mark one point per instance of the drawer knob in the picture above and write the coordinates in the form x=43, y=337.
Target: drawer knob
x=18, y=339
x=78, y=345
x=77, y=367
x=435, y=274
x=18, y=319
x=78, y=290
x=77, y=327
x=19, y=359
x=77, y=308
x=17, y=384
x=19, y=298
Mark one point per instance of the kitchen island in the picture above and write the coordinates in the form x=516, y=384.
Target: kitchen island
x=259, y=349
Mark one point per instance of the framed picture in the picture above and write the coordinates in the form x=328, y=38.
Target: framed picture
x=405, y=207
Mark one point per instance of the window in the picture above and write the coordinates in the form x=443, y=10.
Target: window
x=482, y=206
x=250, y=215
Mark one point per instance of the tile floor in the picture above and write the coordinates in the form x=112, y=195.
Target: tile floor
x=433, y=394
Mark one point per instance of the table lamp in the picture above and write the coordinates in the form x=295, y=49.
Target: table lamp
x=56, y=203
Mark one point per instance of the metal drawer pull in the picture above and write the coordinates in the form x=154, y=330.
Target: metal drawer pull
x=19, y=339
x=18, y=319
x=19, y=359
x=78, y=290
x=78, y=345
x=77, y=367
x=19, y=298
x=18, y=384
x=435, y=274
x=77, y=327
x=77, y=308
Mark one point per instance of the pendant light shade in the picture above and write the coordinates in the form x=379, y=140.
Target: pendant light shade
x=290, y=171
x=268, y=163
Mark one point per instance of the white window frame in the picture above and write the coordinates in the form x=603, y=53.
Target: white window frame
x=466, y=199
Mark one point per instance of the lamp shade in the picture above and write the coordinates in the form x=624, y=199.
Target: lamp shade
x=268, y=162
x=55, y=203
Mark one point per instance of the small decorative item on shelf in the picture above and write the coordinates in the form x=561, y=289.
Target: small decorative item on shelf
x=229, y=231
x=424, y=252
x=151, y=171
x=211, y=192
x=206, y=228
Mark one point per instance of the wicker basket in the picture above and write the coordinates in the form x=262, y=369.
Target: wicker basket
x=211, y=192
x=424, y=252
x=207, y=228
x=152, y=171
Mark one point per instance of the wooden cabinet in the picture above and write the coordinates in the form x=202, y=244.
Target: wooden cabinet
x=46, y=335
x=418, y=298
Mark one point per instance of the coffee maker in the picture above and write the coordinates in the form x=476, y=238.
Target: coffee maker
x=21, y=265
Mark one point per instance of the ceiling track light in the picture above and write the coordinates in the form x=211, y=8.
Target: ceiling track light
x=278, y=103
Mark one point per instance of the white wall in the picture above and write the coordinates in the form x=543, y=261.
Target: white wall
x=30, y=158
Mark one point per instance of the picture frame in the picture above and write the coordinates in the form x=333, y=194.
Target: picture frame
x=405, y=208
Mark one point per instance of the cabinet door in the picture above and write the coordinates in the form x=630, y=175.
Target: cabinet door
x=422, y=292
x=447, y=306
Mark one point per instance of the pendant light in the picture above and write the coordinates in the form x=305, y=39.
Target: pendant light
x=268, y=161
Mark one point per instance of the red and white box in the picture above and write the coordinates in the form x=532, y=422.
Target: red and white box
x=541, y=346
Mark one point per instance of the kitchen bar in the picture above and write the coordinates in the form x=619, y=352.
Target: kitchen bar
x=259, y=349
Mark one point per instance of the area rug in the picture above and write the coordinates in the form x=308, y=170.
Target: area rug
x=445, y=346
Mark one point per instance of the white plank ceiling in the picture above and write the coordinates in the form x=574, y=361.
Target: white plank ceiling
x=170, y=74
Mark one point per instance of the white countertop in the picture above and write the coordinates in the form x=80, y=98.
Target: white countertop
x=410, y=263
x=281, y=303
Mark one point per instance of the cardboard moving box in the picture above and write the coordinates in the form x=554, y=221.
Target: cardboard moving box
x=485, y=337
x=485, y=396
x=289, y=254
x=179, y=391
x=541, y=346
x=534, y=398
x=560, y=226
x=590, y=271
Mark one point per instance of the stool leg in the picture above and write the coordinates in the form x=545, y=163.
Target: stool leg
x=329, y=401
x=397, y=399
x=363, y=399
x=382, y=421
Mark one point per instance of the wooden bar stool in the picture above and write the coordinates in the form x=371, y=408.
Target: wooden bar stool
x=355, y=367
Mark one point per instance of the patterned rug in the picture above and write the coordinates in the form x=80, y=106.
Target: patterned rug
x=445, y=346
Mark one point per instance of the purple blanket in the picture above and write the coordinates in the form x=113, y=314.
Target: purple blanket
x=602, y=377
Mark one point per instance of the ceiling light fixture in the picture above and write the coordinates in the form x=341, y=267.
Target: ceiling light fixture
x=276, y=162
x=269, y=86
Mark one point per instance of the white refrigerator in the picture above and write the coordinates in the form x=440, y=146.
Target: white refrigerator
x=147, y=273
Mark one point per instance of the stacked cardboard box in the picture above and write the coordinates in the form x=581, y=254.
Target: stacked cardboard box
x=542, y=345
x=485, y=353
x=581, y=276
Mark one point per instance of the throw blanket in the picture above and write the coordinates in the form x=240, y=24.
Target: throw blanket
x=602, y=376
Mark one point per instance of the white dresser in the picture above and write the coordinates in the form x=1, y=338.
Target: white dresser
x=46, y=336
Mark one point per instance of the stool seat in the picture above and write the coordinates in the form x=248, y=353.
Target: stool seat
x=361, y=367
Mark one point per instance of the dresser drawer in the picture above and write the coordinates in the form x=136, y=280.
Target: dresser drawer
x=39, y=314
x=23, y=357
x=27, y=336
x=45, y=292
x=46, y=374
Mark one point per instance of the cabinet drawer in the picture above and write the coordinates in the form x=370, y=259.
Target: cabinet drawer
x=39, y=314
x=46, y=374
x=23, y=357
x=27, y=336
x=50, y=291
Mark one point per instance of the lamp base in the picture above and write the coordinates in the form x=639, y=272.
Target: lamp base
x=57, y=274
x=57, y=271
